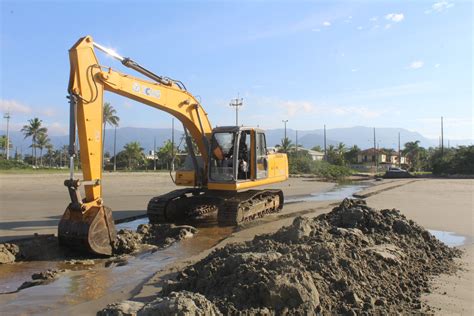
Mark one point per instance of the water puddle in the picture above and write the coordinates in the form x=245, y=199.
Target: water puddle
x=449, y=238
x=339, y=192
x=88, y=283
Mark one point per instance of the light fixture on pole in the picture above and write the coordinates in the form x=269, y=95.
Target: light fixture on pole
x=285, y=121
x=237, y=102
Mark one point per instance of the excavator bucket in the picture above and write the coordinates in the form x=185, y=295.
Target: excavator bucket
x=92, y=230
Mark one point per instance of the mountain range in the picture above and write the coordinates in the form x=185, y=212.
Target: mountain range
x=361, y=136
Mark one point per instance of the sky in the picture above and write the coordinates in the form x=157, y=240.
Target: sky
x=339, y=63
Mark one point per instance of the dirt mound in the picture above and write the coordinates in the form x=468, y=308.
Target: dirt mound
x=181, y=303
x=159, y=235
x=352, y=260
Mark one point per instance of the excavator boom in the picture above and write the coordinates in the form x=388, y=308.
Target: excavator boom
x=87, y=223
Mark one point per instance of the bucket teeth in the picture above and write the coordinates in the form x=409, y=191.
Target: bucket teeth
x=92, y=231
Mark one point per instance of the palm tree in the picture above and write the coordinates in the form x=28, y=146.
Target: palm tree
x=351, y=154
x=134, y=152
x=317, y=148
x=285, y=146
x=109, y=117
x=33, y=130
x=3, y=143
x=42, y=141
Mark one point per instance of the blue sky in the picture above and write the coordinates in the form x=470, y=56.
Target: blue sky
x=339, y=63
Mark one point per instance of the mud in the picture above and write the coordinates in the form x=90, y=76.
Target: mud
x=46, y=248
x=42, y=278
x=157, y=235
x=353, y=260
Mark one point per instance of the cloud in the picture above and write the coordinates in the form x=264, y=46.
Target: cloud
x=316, y=30
x=374, y=19
x=327, y=23
x=57, y=128
x=48, y=112
x=292, y=108
x=360, y=28
x=354, y=69
x=437, y=65
x=395, y=17
x=14, y=107
x=440, y=6
x=416, y=64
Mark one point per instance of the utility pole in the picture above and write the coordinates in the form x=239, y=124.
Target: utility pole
x=115, y=146
x=7, y=116
x=296, y=143
x=442, y=139
x=399, y=154
x=285, y=121
x=325, y=150
x=376, y=154
x=236, y=103
x=154, y=154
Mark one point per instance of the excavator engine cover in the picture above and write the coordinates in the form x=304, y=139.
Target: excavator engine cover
x=92, y=230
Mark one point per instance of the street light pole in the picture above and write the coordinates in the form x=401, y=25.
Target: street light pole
x=115, y=145
x=236, y=103
x=285, y=121
x=7, y=116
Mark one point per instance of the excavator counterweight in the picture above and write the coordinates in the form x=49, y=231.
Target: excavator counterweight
x=231, y=159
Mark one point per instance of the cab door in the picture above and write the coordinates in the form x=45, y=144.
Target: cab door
x=260, y=157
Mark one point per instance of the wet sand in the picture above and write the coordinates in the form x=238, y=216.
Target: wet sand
x=445, y=205
x=34, y=203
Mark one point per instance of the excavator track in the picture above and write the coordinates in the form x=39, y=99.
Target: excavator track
x=249, y=205
x=233, y=208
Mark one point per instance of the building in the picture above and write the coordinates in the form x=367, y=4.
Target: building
x=384, y=159
x=369, y=156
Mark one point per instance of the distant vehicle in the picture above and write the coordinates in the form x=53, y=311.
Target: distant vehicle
x=395, y=172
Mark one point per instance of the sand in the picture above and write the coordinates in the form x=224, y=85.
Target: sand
x=34, y=203
x=445, y=205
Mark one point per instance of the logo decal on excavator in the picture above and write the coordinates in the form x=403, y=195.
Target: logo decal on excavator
x=146, y=91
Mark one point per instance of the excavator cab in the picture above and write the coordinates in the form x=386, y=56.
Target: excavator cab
x=238, y=154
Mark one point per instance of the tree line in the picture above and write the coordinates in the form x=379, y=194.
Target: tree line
x=44, y=155
x=455, y=160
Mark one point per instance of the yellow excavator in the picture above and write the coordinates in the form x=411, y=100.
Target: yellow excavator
x=219, y=176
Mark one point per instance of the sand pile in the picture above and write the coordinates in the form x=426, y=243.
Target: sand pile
x=352, y=260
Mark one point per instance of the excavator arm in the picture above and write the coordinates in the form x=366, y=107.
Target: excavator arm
x=86, y=222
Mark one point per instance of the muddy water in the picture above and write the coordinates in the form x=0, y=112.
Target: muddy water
x=94, y=281
x=451, y=239
x=339, y=192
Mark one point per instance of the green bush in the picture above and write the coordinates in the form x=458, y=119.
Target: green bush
x=13, y=164
x=303, y=164
x=454, y=161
